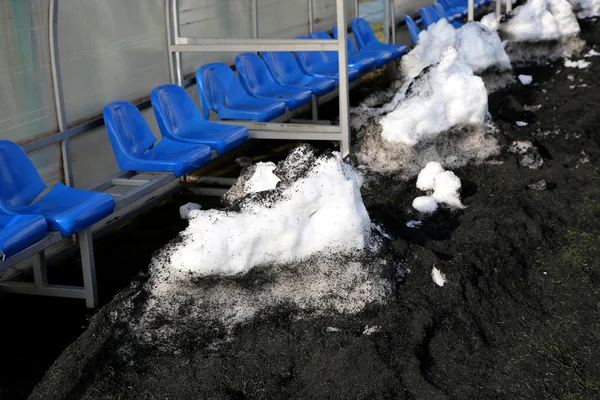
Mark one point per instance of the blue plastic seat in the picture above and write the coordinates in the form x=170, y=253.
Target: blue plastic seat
x=381, y=57
x=17, y=232
x=287, y=72
x=442, y=14
x=428, y=16
x=366, y=39
x=258, y=81
x=179, y=119
x=413, y=29
x=321, y=64
x=363, y=63
x=456, y=12
x=136, y=149
x=220, y=91
x=65, y=209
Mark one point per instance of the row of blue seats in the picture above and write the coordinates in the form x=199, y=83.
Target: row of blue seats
x=451, y=10
x=266, y=87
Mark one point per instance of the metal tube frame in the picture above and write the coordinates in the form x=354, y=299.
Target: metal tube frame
x=393, y=17
x=341, y=133
x=471, y=11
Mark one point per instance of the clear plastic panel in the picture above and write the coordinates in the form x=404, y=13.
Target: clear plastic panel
x=92, y=158
x=26, y=93
x=49, y=164
x=325, y=14
x=110, y=50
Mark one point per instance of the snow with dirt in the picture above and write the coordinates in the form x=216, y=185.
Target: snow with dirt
x=310, y=236
x=586, y=8
x=321, y=212
x=477, y=45
x=450, y=95
x=541, y=20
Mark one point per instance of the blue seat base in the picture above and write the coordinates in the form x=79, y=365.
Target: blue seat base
x=17, y=232
x=292, y=97
x=220, y=138
x=70, y=210
x=260, y=110
x=319, y=86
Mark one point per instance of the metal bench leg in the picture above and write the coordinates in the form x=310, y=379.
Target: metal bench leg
x=86, y=247
x=40, y=274
x=315, y=108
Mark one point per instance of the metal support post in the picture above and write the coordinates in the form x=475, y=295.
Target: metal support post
x=255, y=19
x=343, y=77
x=40, y=274
x=498, y=9
x=311, y=16
x=393, y=17
x=88, y=267
x=471, y=12
x=59, y=98
x=508, y=6
x=356, y=5
x=315, y=107
x=175, y=56
x=387, y=20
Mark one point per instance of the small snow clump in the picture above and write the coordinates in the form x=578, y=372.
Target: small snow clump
x=525, y=79
x=438, y=277
x=186, y=209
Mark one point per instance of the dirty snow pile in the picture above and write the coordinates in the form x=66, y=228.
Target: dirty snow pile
x=448, y=95
x=443, y=187
x=441, y=115
x=586, y=8
x=306, y=243
x=320, y=212
x=478, y=47
x=529, y=154
x=541, y=20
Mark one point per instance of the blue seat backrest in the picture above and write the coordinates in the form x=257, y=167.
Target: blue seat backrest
x=363, y=33
x=429, y=16
x=440, y=10
x=283, y=66
x=351, y=48
x=253, y=72
x=174, y=108
x=330, y=56
x=217, y=87
x=127, y=129
x=413, y=29
x=20, y=182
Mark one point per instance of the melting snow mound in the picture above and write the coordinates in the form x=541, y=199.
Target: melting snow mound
x=447, y=95
x=322, y=211
x=306, y=246
x=586, y=8
x=478, y=46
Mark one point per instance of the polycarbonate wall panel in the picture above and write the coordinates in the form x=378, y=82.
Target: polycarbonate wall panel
x=282, y=19
x=26, y=92
x=213, y=19
x=325, y=14
x=110, y=50
x=92, y=158
x=49, y=164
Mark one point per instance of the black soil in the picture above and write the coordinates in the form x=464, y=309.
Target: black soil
x=518, y=317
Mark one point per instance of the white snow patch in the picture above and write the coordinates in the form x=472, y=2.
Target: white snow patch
x=185, y=211
x=592, y=52
x=451, y=96
x=332, y=329
x=414, y=224
x=438, y=277
x=477, y=45
x=521, y=123
x=525, y=79
x=263, y=178
x=586, y=8
x=369, y=330
x=520, y=147
x=581, y=64
x=490, y=21
x=425, y=180
x=446, y=189
x=542, y=20
x=425, y=204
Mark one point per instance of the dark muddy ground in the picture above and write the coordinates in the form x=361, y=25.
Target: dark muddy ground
x=518, y=317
